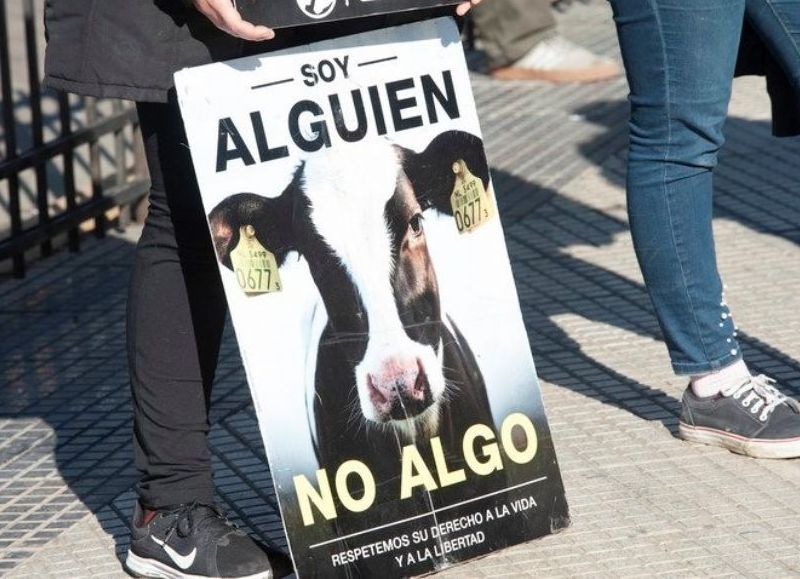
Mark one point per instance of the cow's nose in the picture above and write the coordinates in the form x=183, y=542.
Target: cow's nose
x=394, y=376
x=399, y=386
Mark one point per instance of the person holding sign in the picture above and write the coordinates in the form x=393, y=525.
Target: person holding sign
x=680, y=57
x=176, y=308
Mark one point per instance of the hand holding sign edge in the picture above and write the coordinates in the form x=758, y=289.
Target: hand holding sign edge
x=464, y=7
x=223, y=14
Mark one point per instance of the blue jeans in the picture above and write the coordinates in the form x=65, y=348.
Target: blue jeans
x=679, y=57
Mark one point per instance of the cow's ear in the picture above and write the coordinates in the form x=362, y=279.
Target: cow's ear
x=270, y=217
x=431, y=171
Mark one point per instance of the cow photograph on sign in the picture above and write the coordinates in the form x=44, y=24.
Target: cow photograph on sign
x=351, y=208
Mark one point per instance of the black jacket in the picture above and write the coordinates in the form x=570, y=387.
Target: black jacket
x=127, y=48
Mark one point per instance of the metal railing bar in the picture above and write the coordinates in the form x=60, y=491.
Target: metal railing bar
x=10, y=134
x=119, y=146
x=35, y=92
x=95, y=171
x=69, y=167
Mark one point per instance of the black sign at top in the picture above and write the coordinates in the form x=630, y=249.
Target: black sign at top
x=285, y=13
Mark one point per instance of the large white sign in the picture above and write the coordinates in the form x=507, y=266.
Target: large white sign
x=351, y=208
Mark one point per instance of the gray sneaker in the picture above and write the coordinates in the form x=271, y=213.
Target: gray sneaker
x=752, y=418
x=559, y=60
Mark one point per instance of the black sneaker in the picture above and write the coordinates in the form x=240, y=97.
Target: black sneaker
x=752, y=418
x=197, y=540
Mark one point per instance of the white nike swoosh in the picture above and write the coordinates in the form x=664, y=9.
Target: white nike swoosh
x=182, y=561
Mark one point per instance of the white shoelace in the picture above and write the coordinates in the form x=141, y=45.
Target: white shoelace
x=759, y=392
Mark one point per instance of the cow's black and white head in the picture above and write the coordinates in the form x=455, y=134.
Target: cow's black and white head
x=355, y=214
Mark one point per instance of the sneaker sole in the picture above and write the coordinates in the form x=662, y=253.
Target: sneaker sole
x=752, y=447
x=142, y=567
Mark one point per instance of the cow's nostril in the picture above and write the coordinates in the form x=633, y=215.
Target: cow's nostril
x=375, y=393
x=420, y=389
x=421, y=382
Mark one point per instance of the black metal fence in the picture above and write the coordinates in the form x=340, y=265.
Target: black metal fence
x=69, y=164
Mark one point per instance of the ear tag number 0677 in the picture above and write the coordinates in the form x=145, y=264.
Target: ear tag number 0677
x=255, y=266
x=472, y=204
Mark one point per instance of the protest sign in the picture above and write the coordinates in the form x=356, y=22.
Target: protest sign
x=351, y=208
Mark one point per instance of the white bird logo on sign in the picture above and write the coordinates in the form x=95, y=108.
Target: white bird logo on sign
x=316, y=8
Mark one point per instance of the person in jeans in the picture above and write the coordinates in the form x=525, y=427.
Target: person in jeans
x=680, y=58
x=521, y=42
x=176, y=305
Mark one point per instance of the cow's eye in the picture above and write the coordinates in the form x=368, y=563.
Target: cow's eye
x=416, y=224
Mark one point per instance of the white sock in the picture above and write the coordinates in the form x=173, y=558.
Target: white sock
x=710, y=384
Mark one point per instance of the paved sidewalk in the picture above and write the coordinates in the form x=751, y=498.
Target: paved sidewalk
x=643, y=502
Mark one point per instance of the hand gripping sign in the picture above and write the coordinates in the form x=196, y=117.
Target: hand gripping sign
x=352, y=212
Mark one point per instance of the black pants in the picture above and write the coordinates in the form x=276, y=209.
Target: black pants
x=176, y=315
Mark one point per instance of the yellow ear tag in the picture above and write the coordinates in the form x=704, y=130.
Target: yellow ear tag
x=472, y=204
x=255, y=267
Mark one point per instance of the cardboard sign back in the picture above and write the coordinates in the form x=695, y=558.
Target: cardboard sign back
x=285, y=13
x=362, y=255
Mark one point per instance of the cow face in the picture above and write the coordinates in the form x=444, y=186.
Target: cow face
x=355, y=214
